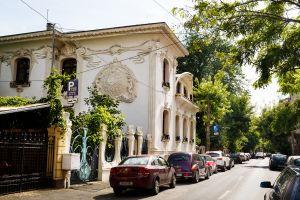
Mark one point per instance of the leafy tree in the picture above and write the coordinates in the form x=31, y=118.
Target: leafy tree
x=211, y=96
x=290, y=82
x=208, y=55
x=265, y=33
x=277, y=123
x=237, y=122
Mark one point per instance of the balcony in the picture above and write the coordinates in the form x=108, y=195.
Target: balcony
x=183, y=101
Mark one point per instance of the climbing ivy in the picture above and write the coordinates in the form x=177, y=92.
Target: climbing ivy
x=53, y=84
x=15, y=101
x=102, y=110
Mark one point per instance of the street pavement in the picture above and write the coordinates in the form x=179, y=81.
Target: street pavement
x=239, y=183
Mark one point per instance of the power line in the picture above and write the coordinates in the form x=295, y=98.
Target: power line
x=167, y=11
x=36, y=11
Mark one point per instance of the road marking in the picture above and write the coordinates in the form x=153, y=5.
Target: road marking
x=238, y=181
x=224, y=195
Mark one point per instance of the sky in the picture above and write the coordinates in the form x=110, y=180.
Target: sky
x=16, y=17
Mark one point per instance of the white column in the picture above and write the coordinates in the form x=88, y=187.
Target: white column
x=101, y=153
x=118, y=143
x=139, y=134
x=130, y=137
x=149, y=143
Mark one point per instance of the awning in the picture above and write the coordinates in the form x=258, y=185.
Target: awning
x=7, y=110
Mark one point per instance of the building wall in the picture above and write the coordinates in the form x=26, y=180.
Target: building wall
x=95, y=54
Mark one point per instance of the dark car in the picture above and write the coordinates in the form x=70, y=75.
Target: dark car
x=237, y=157
x=286, y=186
x=145, y=172
x=277, y=161
x=189, y=166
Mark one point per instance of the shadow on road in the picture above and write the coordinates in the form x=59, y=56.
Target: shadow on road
x=262, y=167
x=129, y=194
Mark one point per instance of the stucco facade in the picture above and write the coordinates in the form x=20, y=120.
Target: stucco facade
x=135, y=64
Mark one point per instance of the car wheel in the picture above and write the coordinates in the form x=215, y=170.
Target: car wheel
x=229, y=167
x=224, y=167
x=207, y=174
x=155, y=187
x=173, y=182
x=216, y=170
x=117, y=191
x=196, y=177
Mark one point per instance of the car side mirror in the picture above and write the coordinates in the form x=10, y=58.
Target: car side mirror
x=266, y=184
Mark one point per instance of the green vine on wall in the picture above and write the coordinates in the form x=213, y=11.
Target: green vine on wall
x=15, y=101
x=53, y=84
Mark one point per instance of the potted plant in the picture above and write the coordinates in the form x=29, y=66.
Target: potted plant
x=165, y=137
x=177, y=138
x=166, y=85
x=185, y=139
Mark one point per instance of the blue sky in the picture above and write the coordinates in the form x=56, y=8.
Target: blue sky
x=16, y=17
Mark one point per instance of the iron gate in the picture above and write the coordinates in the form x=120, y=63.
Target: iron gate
x=23, y=160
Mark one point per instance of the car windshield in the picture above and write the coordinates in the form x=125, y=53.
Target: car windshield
x=179, y=158
x=279, y=156
x=214, y=154
x=135, y=161
x=297, y=162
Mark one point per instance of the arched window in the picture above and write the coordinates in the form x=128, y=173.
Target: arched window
x=166, y=73
x=22, y=71
x=185, y=92
x=69, y=67
x=178, y=88
x=165, y=122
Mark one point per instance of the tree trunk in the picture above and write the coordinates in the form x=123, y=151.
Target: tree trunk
x=207, y=128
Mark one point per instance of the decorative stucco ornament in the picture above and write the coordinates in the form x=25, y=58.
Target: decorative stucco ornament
x=117, y=81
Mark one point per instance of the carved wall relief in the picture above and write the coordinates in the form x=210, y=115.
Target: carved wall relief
x=118, y=81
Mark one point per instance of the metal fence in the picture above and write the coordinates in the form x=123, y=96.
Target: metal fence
x=23, y=160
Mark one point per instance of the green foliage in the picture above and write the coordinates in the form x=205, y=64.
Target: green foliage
x=211, y=96
x=207, y=56
x=14, y=101
x=290, y=82
x=236, y=124
x=265, y=33
x=276, y=124
x=102, y=110
x=53, y=84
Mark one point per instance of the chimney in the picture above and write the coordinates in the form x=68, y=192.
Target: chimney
x=50, y=26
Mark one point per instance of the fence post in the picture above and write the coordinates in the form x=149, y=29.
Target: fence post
x=139, y=134
x=118, y=143
x=101, y=154
x=130, y=137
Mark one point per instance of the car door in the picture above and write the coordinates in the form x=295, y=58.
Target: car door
x=281, y=184
x=164, y=169
x=168, y=170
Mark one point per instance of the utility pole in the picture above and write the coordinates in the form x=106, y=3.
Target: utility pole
x=53, y=47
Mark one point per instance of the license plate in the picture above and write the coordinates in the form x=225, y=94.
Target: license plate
x=179, y=174
x=125, y=183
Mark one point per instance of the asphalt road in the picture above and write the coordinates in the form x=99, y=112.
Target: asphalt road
x=239, y=183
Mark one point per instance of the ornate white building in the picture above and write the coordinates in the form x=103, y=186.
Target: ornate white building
x=134, y=64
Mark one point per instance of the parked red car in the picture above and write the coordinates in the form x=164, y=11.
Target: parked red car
x=210, y=163
x=144, y=172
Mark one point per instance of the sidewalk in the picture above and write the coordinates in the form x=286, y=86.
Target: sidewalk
x=79, y=191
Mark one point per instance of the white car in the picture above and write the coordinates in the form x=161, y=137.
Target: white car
x=290, y=160
x=223, y=162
